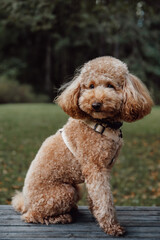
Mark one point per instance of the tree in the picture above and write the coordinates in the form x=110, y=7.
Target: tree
x=50, y=39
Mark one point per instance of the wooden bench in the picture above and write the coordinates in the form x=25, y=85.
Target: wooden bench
x=140, y=223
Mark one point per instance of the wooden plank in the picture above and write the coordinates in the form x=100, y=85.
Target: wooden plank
x=120, y=218
x=151, y=212
x=137, y=208
x=87, y=213
x=119, y=208
x=63, y=234
x=120, y=214
x=153, y=216
x=88, y=224
x=42, y=229
x=86, y=238
x=145, y=219
x=140, y=223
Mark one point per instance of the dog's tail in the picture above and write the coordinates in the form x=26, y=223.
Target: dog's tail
x=18, y=202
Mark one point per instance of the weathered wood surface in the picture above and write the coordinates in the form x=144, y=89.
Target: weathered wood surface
x=140, y=223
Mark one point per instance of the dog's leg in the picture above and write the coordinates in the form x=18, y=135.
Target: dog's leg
x=97, y=183
x=52, y=205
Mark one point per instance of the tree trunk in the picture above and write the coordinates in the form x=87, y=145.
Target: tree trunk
x=116, y=49
x=48, y=82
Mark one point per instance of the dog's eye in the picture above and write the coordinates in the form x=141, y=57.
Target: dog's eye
x=91, y=86
x=110, y=86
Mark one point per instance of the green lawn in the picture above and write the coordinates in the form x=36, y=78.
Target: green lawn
x=135, y=177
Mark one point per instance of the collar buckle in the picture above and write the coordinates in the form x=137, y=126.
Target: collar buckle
x=99, y=128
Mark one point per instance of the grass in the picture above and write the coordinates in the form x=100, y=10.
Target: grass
x=135, y=176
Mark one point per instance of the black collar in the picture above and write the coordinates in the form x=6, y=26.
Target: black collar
x=109, y=124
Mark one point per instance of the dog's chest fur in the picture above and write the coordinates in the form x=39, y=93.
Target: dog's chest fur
x=69, y=165
x=89, y=146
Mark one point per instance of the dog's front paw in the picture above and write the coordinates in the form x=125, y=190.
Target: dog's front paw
x=115, y=230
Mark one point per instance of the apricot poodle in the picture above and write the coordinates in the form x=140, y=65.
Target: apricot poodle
x=98, y=100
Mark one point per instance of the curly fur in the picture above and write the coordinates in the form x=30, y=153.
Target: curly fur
x=50, y=190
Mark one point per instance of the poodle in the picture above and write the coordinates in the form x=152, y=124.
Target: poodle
x=98, y=100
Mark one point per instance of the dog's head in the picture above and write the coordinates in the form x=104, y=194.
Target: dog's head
x=105, y=89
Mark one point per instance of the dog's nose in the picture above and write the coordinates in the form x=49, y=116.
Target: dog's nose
x=96, y=106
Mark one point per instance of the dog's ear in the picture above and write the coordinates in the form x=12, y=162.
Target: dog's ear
x=137, y=100
x=68, y=99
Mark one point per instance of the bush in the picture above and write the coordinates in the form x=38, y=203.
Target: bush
x=11, y=91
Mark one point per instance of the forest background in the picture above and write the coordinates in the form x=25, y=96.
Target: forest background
x=43, y=42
